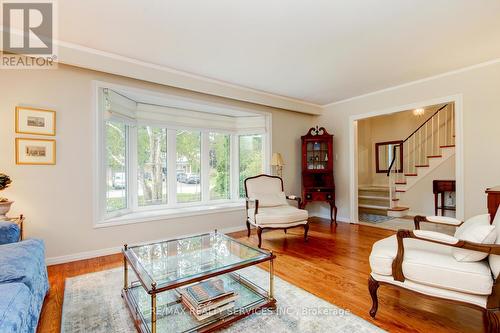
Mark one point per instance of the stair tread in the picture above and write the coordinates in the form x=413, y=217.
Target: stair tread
x=373, y=197
x=422, y=166
x=398, y=209
x=373, y=206
x=434, y=156
x=447, y=146
x=411, y=174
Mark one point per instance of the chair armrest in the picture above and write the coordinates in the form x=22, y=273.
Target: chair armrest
x=295, y=198
x=435, y=236
x=441, y=220
x=438, y=238
x=255, y=202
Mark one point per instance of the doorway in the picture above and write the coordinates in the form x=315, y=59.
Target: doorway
x=397, y=154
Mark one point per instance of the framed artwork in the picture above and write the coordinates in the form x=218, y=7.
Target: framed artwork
x=35, y=121
x=35, y=151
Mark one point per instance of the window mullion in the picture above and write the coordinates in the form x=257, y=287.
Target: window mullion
x=171, y=168
x=205, y=166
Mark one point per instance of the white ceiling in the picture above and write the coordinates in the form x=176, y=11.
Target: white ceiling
x=317, y=51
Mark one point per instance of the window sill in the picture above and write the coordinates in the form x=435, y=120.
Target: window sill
x=165, y=214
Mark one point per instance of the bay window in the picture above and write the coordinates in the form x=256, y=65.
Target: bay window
x=157, y=160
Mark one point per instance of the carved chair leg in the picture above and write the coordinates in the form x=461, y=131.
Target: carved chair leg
x=373, y=287
x=259, y=233
x=306, y=229
x=248, y=227
x=492, y=321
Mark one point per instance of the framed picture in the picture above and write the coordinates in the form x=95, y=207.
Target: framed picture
x=35, y=151
x=35, y=121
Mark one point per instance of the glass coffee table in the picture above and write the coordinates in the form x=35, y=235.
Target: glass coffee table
x=158, y=269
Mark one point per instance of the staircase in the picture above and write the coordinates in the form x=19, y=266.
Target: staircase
x=432, y=143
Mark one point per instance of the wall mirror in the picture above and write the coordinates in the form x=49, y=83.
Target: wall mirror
x=384, y=153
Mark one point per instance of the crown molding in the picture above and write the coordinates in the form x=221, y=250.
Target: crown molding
x=411, y=83
x=80, y=56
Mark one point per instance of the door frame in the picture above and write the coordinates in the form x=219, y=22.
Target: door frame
x=459, y=152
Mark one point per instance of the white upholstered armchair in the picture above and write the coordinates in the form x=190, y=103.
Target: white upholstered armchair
x=267, y=206
x=463, y=268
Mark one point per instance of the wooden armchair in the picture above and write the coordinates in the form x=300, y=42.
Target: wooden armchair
x=267, y=206
x=425, y=262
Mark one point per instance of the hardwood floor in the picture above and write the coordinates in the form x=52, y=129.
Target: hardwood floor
x=333, y=265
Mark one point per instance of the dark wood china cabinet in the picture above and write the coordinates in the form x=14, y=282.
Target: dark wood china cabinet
x=317, y=169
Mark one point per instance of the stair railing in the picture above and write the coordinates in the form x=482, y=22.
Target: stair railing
x=424, y=142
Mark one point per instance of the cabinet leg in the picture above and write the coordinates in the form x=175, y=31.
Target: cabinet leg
x=333, y=212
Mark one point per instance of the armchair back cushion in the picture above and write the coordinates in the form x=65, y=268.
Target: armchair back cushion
x=493, y=259
x=477, y=229
x=268, y=190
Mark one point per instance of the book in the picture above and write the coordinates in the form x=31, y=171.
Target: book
x=207, y=290
x=207, y=306
x=209, y=313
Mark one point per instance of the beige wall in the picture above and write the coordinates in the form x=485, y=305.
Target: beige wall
x=480, y=89
x=57, y=200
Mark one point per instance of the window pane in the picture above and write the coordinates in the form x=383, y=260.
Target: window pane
x=188, y=166
x=250, y=158
x=219, y=165
x=152, y=165
x=116, y=166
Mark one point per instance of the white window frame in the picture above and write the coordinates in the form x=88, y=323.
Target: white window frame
x=135, y=213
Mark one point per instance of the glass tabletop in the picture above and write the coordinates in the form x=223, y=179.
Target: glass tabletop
x=171, y=263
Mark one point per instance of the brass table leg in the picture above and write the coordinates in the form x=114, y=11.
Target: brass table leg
x=125, y=271
x=271, y=278
x=153, y=313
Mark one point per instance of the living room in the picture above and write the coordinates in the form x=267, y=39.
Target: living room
x=132, y=149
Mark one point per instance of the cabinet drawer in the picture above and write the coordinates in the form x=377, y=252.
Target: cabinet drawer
x=320, y=196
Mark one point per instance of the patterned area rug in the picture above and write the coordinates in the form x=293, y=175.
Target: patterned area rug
x=92, y=303
x=373, y=218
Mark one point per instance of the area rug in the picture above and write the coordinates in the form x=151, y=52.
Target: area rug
x=92, y=303
x=374, y=218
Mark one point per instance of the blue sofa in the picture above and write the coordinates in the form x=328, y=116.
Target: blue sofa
x=23, y=282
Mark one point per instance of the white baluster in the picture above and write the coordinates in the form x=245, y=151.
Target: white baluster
x=438, y=137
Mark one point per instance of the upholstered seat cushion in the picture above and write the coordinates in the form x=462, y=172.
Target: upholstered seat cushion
x=14, y=309
x=9, y=232
x=277, y=215
x=433, y=265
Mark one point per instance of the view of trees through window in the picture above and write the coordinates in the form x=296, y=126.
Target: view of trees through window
x=219, y=164
x=152, y=165
x=251, y=158
x=116, y=166
x=188, y=166
x=150, y=156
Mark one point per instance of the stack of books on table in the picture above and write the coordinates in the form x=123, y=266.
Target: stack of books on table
x=207, y=298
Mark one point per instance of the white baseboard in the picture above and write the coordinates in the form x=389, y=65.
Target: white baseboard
x=114, y=250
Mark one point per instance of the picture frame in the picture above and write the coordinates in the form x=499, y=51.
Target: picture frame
x=35, y=151
x=35, y=121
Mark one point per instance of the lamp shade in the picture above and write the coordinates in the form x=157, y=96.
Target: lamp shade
x=277, y=160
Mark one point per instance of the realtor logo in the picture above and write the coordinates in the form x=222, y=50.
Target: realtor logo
x=27, y=34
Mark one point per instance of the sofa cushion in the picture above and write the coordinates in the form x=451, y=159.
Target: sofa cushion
x=278, y=215
x=24, y=262
x=14, y=312
x=9, y=232
x=432, y=264
x=482, y=234
x=483, y=219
